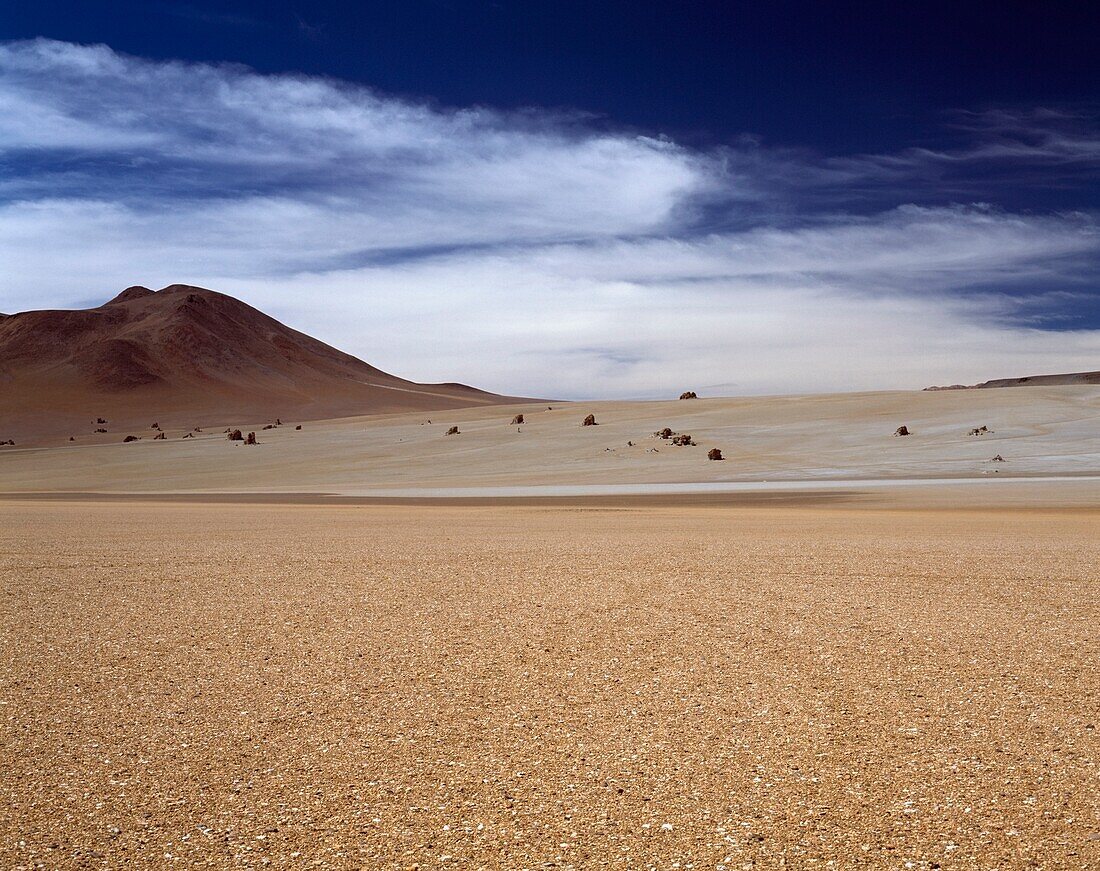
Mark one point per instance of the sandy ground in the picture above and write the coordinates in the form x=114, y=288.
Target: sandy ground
x=1040, y=432
x=528, y=687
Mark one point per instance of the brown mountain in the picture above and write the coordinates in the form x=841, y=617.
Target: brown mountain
x=1030, y=381
x=186, y=356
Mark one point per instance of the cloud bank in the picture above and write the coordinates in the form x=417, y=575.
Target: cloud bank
x=540, y=252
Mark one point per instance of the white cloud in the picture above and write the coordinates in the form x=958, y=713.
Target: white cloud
x=529, y=253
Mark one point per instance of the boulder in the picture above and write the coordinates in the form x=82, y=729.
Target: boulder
x=683, y=440
x=155, y=426
x=590, y=420
x=251, y=440
x=714, y=454
x=190, y=435
x=159, y=435
x=235, y=435
x=72, y=438
x=270, y=426
x=278, y=421
x=688, y=394
x=299, y=426
x=100, y=420
x=453, y=431
x=131, y=438
x=902, y=431
x=665, y=433
x=517, y=420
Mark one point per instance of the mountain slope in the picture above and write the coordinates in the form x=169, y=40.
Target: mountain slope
x=1069, y=378
x=187, y=356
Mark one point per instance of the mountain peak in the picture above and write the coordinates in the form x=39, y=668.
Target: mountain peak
x=134, y=292
x=190, y=353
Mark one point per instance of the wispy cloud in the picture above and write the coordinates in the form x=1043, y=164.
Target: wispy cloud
x=534, y=251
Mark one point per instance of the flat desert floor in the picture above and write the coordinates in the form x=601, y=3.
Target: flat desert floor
x=796, y=685
x=1039, y=432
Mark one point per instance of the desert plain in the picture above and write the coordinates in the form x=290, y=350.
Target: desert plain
x=366, y=644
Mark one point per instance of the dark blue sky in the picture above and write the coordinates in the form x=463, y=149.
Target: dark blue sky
x=837, y=77
x=633, y=176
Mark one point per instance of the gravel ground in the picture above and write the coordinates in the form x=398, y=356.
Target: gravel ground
x=426, y=687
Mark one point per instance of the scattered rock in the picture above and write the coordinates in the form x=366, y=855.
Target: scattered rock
x=251, y=440
x=159, y=435
x=683, y=440
x=8, y=442
x=101, y=430
x=688, y=394
x=155, y=425
x=270, y=426
x=100, y=420
x=299, y=426
x=997, y=459
x=665, y=433
x=190, y=435
x=453, y=431
x=590, y=421
x=198, y=429
x=131, y=438
x=980, y=430
x=278, y=421
x=72, y=438
x=902, y=431
x=517, y=420
x=714, y=454
x=630, y=444
x=235, y=435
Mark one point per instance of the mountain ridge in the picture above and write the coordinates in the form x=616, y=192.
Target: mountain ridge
x=185, y=351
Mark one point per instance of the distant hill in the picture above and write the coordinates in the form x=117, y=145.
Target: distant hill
x=188, y=356
x=1030, y=381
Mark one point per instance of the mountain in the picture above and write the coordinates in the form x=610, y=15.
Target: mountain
x=1030, y=381
x=186, y=356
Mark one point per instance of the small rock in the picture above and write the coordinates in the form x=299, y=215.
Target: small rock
x=453, y=431
x=590, y=420
x=902, y=431
x=714, y=454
